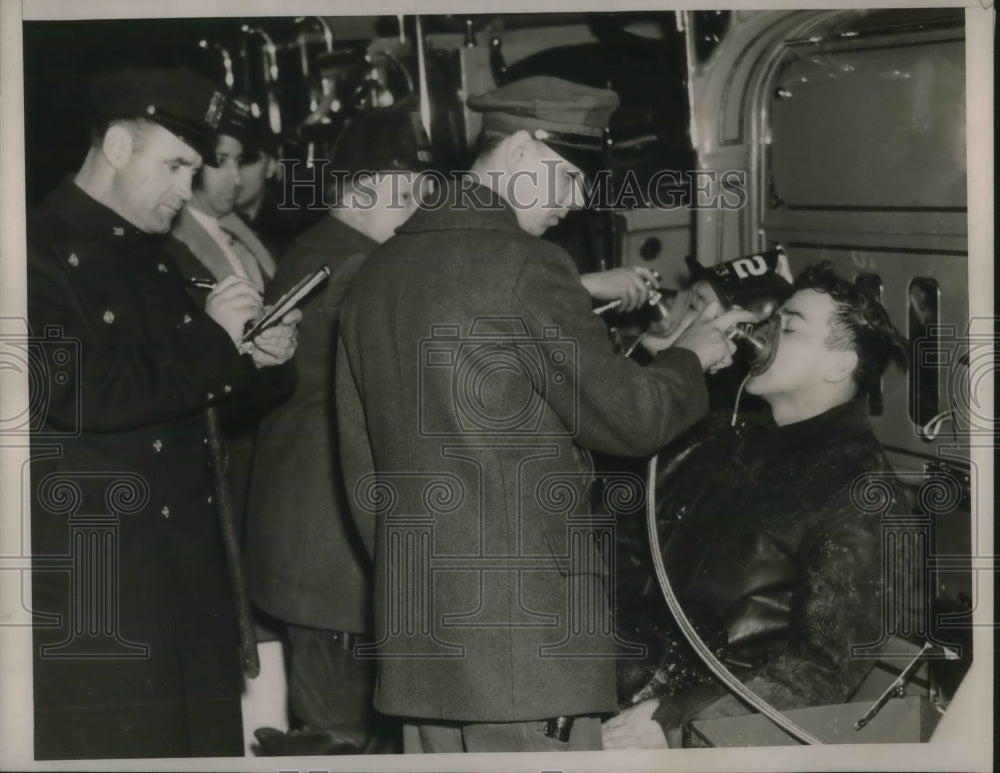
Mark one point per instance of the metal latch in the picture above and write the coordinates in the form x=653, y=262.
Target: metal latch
x=898, y=687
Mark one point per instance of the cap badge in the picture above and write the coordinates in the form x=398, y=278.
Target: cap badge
x=214, y=113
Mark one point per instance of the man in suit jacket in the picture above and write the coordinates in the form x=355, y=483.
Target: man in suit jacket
x=472, y=378
x=305, y=562
x=219, y=240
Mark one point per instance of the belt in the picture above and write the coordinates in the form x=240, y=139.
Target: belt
x=559, y=728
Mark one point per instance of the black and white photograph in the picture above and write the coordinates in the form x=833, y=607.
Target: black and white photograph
x=496, y=387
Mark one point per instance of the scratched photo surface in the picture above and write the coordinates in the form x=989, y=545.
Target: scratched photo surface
x=626, y=391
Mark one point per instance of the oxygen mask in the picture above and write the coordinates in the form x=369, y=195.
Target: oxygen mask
x=758, y=283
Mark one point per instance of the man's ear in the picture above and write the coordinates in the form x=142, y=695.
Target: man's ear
x=272, y=169
x=517, y=147
x=117, y=146
x=840, y=365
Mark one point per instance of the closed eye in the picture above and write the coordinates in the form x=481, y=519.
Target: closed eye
x=788, y=318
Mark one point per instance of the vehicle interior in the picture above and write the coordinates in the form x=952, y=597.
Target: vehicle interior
x=833, y=135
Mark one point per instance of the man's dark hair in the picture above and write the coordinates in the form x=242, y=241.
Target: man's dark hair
x=860, y=323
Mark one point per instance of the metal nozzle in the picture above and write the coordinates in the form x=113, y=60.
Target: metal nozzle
x=743, y=332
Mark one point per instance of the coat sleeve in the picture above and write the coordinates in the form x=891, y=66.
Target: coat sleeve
x=609, y=402
x=838, y=604
x=356, y=457
x=117, y=384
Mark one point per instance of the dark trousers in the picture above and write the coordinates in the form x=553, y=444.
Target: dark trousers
x=444, y=737
x=328, y=688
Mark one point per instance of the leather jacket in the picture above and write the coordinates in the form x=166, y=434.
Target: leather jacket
x=772, y=560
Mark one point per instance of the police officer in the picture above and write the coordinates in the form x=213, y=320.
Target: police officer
x=138, y=659
x=472, y=378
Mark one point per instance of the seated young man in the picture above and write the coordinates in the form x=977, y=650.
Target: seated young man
x=772, y=561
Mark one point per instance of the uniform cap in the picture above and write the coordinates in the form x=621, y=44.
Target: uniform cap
x=383, y=139
x=181, y=101
x=252, y=131
x=235, y=120
x=553, y=110
x=568, y=117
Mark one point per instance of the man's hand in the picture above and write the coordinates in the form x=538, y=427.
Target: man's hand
x=634, y=728
x=706, y=336
x=681, y=312
x=277, y=344
x=630, y=285
x=233, y=303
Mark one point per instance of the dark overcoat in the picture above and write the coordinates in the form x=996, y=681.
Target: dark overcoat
x=472, y=375
x=305, y=562
x=135, y=641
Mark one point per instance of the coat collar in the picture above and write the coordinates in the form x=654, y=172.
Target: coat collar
x=192, y=234
x=329, y=231
x=89, y=216
x=835, y=426
x=463, y=207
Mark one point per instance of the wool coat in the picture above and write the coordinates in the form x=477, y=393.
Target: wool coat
x=304, y=559
x=472, y=377
x=135, y=645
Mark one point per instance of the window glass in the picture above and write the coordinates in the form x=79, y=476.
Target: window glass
x=871, y=285
x=924, y=303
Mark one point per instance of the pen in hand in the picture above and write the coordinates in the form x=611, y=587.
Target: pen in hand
x=204, y=284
